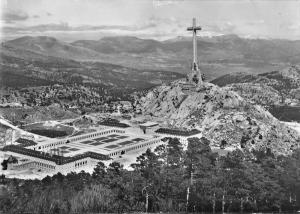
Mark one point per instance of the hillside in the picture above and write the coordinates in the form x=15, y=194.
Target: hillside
x=224, y=117
x=36, y=114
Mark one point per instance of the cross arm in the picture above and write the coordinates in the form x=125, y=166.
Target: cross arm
x=194, y=28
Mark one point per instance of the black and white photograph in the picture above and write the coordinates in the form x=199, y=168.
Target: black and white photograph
x=150, y=106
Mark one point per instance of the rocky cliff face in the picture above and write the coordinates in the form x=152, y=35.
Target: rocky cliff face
x=224, y=117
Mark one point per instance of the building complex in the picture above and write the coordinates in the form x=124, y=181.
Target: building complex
x=76, y=153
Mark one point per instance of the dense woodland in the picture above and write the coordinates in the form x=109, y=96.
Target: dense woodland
x=167, y=179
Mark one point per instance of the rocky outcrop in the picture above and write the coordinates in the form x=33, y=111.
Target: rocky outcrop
x=271, y=88
x=257, y=93
x=224, y=117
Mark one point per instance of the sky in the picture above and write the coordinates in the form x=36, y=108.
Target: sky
x=156, y=19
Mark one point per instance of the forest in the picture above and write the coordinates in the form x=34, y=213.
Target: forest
x=167, y=179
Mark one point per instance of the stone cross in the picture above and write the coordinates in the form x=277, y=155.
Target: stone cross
x=195, y=67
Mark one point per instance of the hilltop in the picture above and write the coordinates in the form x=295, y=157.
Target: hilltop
x=224, y=117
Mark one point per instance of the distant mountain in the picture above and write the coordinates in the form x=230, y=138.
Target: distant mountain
x=120, y=44
x=23, y=68
x=223, y=117
x=50, y=46
x=227, y=48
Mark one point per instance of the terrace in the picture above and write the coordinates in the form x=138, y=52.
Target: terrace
x=109, y=142
x=124, y=143
x=104, y=140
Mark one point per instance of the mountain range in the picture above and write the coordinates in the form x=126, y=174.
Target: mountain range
x=218, y=55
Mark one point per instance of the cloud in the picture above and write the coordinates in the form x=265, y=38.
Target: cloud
x=224, y=27
x=154, y=27
x=169, y=25
x=11, y=16
x=36, y=16
x=159, y=20
x=65, y=27
x=49, y=14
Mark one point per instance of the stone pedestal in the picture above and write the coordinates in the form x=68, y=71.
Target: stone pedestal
x=194, y=77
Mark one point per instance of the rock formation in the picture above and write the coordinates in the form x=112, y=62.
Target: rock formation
x=224, y=117
x=271, y=88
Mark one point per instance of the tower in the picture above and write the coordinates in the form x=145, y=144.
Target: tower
x=195, y=75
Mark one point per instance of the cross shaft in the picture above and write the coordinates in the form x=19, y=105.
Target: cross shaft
x=194, y=28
